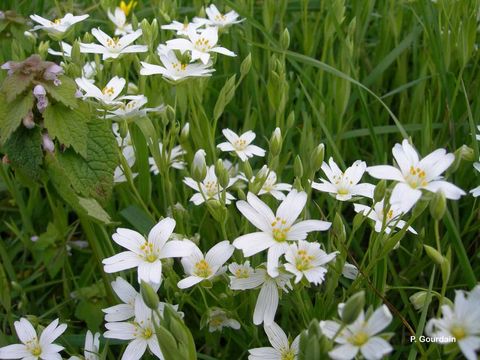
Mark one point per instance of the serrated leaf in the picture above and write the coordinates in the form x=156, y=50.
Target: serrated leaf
x=68, y=126
x=11, y=114
x=65, y=92
x=24, y=150
x=93, y=176
x=15, y=84
x=94, y=210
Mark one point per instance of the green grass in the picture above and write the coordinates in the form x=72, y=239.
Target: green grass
x=358, y=76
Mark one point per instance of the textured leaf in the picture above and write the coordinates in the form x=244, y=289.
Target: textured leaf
x=94, y=210
x=24, y=150
x=93, y=176
x=11, y=114
x=65, y=92
x=68, y=126
x=16, y=84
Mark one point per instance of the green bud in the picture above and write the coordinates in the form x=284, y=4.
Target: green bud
x=434, y=255
x=43, y=49
x=465, y=153
x=168, y=116
x=222, y=174
x=285, y=39
x=419, y=207
x=76, y=55
x=379, y=192
x=419, y=299
x=353, y=307
x=149, y=296
x=276, y=142
x=338, y=228
x=438, y=205
x=290, y=120
x=184, y=134
x=241, y=195
x=199, y=166
x=245, y=66
x=358, y=220
x=247, y=169
x=317, y=157
x=298, y=167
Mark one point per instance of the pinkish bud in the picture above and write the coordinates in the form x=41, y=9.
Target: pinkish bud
x=78, y=94
x=47, y=143
x=39, y=91
x=28, y=120
x=52, y=72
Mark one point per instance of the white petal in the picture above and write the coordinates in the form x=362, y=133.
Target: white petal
x=177, y=248
x=386, y=172
x=25, y=330
x=376, y=348
x=219, y=254
x=449, y=190
x=189, y=282
x=253, y=243
x=161, y=232
x=343, y=352
x=300, y=230
x=135, y=350
x=150, y=272
x=276, y=336
x=15, y=351
x=267, y=304
x=404, y=197
x=379, y=320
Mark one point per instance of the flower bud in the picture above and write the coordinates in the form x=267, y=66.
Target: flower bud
x=245, y=66
x=276, y=142
x=285, y=39
x=199, y=167
x=338, y=228
x=298, y=167
x=28, y=121
x=39, y=91
x=379, y=192
x=290, y=120
x=353, y=307
x=221, y=173
x=52, y=72
x=149, y=296
x=247, y=170
x=184, y=134
x=316, y=158
x=438, y=205
x=419, y=299
x=434, y=255
x=47, y=143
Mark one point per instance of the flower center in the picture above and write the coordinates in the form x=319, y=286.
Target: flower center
x=303, y=260
x=416, y=177
x=113, y=42
x=240, y=144
x=148, y=252
x=56, y=22
x=36, y=351
x=179, y=66
x=342, y=183
x=34, y=347
x=359, y=338
x=242, y=273
x=458, y=332
x=147, y=333
x=220, y=17
x=211, y=187
x=202, y=44
x=280, y=229
x=108, y=90
x=203, y=269
x=287, y=354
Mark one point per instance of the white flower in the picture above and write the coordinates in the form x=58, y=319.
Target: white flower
x=141, y=332
x=33, y=348
x=181, y=28
x=200, y=44
x=108, y=95
x=350, y=271
x=218, y=319
x=120, y=21
x=209, y=188
x=241, y=145
x=277, y=229
x=127, y=294
x=174, y=69
x=215, y=18
x=462, y=322
x=57, y=26
x=92, y=346
x=281, y=348
x=146, y=254
x=414, y=174
x=476, y=192
x=270, y=186
x=359, y=336
x=66, y=50
x=172, y=158
x=128, y=153
x=377, y=214
x=245, y=277
x=307, y=259
x=89, y=70
x=344, y=184
x=200, y=267
x=132, y=108
x=113, y=47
